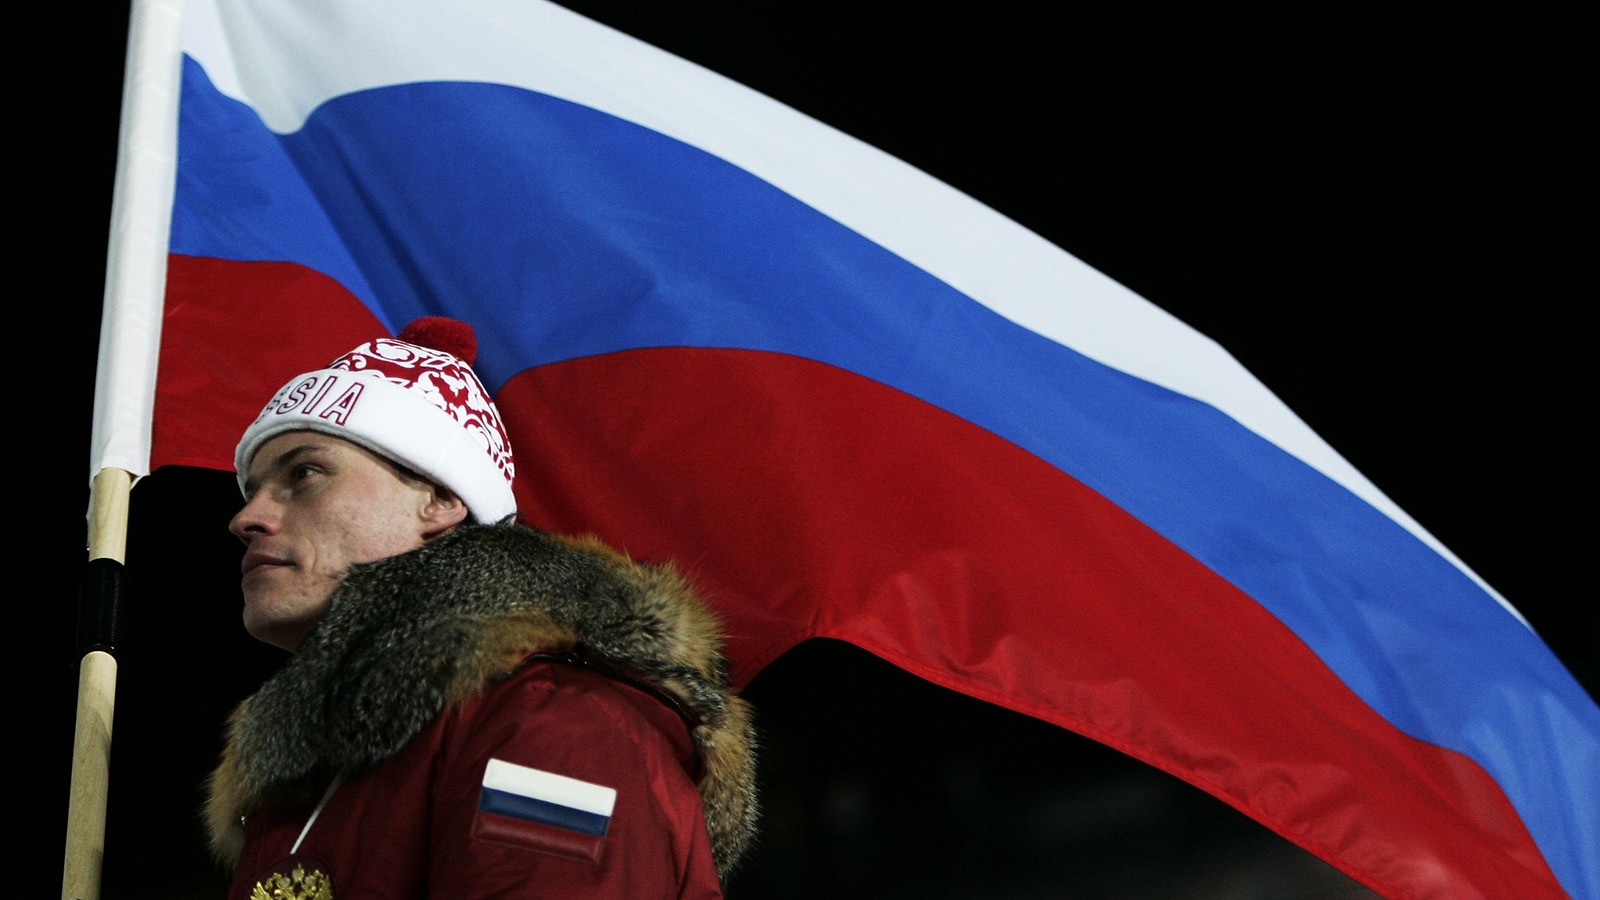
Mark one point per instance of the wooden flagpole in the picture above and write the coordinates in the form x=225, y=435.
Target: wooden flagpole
x=97, y=685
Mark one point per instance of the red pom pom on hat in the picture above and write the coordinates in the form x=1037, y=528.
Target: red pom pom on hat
x=452, y=336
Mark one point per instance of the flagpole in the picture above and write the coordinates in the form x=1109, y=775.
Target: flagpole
x=97, y=684
x=130, y=337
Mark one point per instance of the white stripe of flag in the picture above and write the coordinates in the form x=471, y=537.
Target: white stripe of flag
x=538, y=784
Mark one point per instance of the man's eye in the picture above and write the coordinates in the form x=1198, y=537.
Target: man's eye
x=302, y=472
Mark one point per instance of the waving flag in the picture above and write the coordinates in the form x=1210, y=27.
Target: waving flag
x=852, y=402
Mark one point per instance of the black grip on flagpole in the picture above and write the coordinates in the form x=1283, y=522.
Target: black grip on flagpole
x=99, y=599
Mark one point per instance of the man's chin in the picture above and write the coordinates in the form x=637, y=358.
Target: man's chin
x=278, y=634
x=270, y=624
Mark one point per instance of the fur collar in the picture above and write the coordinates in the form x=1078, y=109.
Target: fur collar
x=408, y=636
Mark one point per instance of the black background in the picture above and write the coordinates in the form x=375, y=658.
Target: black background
x=1381, y=216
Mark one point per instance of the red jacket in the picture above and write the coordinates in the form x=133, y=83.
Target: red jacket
x=598, y=784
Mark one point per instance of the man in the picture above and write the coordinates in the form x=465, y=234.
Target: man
x=473, y=708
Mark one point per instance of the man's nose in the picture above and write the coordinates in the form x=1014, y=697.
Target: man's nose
x=259, y=515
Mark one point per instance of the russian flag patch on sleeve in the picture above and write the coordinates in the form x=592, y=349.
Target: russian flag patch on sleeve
x=525, y=807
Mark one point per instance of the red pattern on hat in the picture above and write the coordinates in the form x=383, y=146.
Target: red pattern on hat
x=443, y=378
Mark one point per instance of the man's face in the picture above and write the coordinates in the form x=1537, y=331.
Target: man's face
x=314, y=506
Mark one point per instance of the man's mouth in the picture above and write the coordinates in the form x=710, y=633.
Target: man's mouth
x=255, y=562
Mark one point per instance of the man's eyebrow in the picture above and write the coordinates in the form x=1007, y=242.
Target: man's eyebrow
x=282, y=461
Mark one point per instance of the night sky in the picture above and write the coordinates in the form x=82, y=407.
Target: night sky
x=1378, y=216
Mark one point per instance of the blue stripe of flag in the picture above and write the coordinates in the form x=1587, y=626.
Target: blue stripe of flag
x=529, y=809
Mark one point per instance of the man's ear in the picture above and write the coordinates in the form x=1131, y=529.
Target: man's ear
x=441, y=513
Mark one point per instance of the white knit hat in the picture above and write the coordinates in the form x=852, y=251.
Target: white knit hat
x=414, y=400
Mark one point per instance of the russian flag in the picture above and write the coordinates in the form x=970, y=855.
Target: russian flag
x=528, y=807
x=855, y=403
